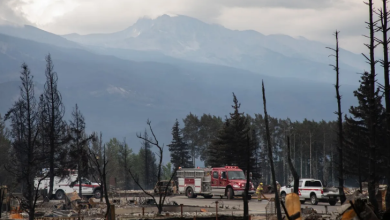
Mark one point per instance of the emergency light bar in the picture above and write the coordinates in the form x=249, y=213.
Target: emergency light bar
x=231, y=167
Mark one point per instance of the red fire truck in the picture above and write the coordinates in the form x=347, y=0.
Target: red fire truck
x=226, y=181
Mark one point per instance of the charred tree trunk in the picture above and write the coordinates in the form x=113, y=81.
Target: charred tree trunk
x=371, y=117
x=310, y=173
x=162, y=197
x=99, y=161
x=339, y=122
x=383, y=16
x=277, y=202
x=245, y=197
x=292, y=169
x=104, y=179
x=331, y=162
x=301, y=157
x=295, y=163
x=324, y=173
x=79, y=169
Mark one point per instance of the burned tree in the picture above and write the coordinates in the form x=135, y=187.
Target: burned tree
x=98, y=160
x=154, y=142
x=292, y=168
x=97, y=149
x=248, y=152
x=25, y=155
x=277, y=202
x=5, y=146
x=52, y=120
x=372, y=105
x=339, y=120
x=383, y=14
x=79, y=140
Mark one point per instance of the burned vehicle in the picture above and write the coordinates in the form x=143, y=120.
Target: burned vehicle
x=161, y=186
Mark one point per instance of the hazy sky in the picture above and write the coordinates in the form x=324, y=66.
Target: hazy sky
x=313, y=19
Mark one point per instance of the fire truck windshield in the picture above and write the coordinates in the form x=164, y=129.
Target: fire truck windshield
x=236, y=175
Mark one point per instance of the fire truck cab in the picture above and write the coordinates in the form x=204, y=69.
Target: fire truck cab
x=226, y=181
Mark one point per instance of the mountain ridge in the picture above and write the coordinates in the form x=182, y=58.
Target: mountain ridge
x=187, y=38
x=30, y=32
x=117, y=96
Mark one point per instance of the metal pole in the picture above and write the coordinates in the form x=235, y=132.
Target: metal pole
x=143, y=211
x=181, y=210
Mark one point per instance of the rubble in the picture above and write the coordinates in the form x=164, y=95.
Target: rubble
x=126, y=208
x=308, y=211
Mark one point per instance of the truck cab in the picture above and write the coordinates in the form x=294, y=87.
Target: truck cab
x=229, y=181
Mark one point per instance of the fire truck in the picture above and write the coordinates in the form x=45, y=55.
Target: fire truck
x=226, y=181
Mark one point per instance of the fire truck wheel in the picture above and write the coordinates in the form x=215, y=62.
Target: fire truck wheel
x=60, y=194
x=230, y=193
x=190, y=193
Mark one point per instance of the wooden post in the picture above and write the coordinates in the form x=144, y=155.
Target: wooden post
x=112, y=212
x=143, y=211
x=216, y=210
x=181, y=210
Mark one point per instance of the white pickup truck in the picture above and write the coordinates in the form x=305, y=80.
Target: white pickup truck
x=69, y=184
x=312, y=189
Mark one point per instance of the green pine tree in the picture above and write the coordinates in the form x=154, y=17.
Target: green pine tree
x=180, y=153
x=357, y=132
x=191, y=135
x=230, y=146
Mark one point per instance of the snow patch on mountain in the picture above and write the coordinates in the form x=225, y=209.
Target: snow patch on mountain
x=117, y=90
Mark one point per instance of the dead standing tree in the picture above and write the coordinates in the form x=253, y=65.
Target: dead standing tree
x=154, y=142
x=339, y=120
x=277, y=202
x=383, y=15
x=100, y=164
x=25, y=152
x=78, y=142
x=53, y=119
x=292, y=169
x=372, y=107
x=249, y=146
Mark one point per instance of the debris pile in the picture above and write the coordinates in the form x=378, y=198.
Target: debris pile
x=351, y=191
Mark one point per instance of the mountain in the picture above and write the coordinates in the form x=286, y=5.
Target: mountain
x=32, y=33
x=183, y=37
x=117, y=96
